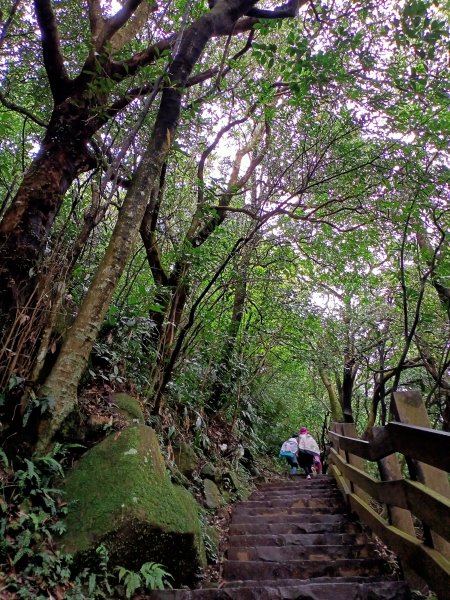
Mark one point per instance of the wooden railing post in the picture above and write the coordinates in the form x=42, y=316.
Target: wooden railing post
x=408, y=407
x=390, y=470
x=349, y=430
x=343, y=483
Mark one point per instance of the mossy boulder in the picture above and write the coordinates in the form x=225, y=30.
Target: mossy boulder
x=185, y=458
x=123, y=498
x=209, y=471
x=128, y=407
x=233, y=486
x=213, y=498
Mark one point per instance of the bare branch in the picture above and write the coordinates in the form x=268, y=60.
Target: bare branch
x=134, y=25
x=140, y=59
x=206, y=153
x=285, y=11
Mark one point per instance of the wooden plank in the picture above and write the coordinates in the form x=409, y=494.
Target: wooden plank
x=433, y=567
x=401, y=495
x=355, y=446
x=341, y=482
x=401, y=518
x=355, y=475
x=422, y=443
x=349, y=430
x=430, y=506
x=408, y=408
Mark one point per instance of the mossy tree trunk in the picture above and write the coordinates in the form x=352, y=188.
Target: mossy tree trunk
x=333, y=396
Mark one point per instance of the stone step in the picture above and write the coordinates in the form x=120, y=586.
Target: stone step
x=287, y=498
x=296, y=528
x=305, y=539
x=277, y=590
x=283, y=553
x=354, y=579
x=299, y=489
x=236, y=570
x=246, y=510
x=315, y=483
x=292, y=502
x=289, y=516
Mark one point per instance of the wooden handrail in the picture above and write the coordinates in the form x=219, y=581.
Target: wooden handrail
x=421, y=443
x=430, y=506
x=427, y=454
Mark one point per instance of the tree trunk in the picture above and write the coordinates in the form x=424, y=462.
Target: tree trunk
x=61, y=385
x=350, y=370
x=166, y=341
x=26, y=224
x=224, y=379
x=335, y=405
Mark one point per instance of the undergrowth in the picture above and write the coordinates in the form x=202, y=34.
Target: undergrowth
x=32, y=511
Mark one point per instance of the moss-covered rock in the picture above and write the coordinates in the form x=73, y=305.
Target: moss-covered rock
x=209, y=471
x=233, y=487
x=213, y=499
x=128, y=407
x=185, y=458
x=231, y=481
x=124, y=499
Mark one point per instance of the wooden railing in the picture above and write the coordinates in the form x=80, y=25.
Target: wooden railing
x=410, y=515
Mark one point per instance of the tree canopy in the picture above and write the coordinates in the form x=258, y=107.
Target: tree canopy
x=238, y=210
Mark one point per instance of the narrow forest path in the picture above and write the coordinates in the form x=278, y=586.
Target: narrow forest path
x=295, y=540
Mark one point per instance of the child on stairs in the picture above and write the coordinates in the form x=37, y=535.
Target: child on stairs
x=289, y=451
x=308, y=448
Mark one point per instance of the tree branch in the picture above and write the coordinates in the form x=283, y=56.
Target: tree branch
x=129, y=67
x=23, y=111
x=96, y=20
x=147, y=231
x=8, y=21
x=53, y=58
x=115, y=22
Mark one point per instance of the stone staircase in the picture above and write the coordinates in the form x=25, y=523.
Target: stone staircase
x=294, y=540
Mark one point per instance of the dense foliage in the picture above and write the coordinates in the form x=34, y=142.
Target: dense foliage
x=241, y=220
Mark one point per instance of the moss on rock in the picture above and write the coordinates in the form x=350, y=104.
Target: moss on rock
x=129, y=407
x=185, y=458
x=124, y=498
x=213, y=499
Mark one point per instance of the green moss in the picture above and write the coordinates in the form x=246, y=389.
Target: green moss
x=185, y=458
x=128, y=406
x=121, y=492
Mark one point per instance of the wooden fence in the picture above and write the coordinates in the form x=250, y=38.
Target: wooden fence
x=415, y=519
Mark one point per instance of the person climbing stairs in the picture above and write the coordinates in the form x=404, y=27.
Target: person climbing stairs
x=295, y=540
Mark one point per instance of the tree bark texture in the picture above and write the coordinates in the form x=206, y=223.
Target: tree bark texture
x=26, y=225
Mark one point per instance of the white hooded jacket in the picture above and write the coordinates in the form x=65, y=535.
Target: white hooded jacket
x=308, y=444
x=291, y=445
